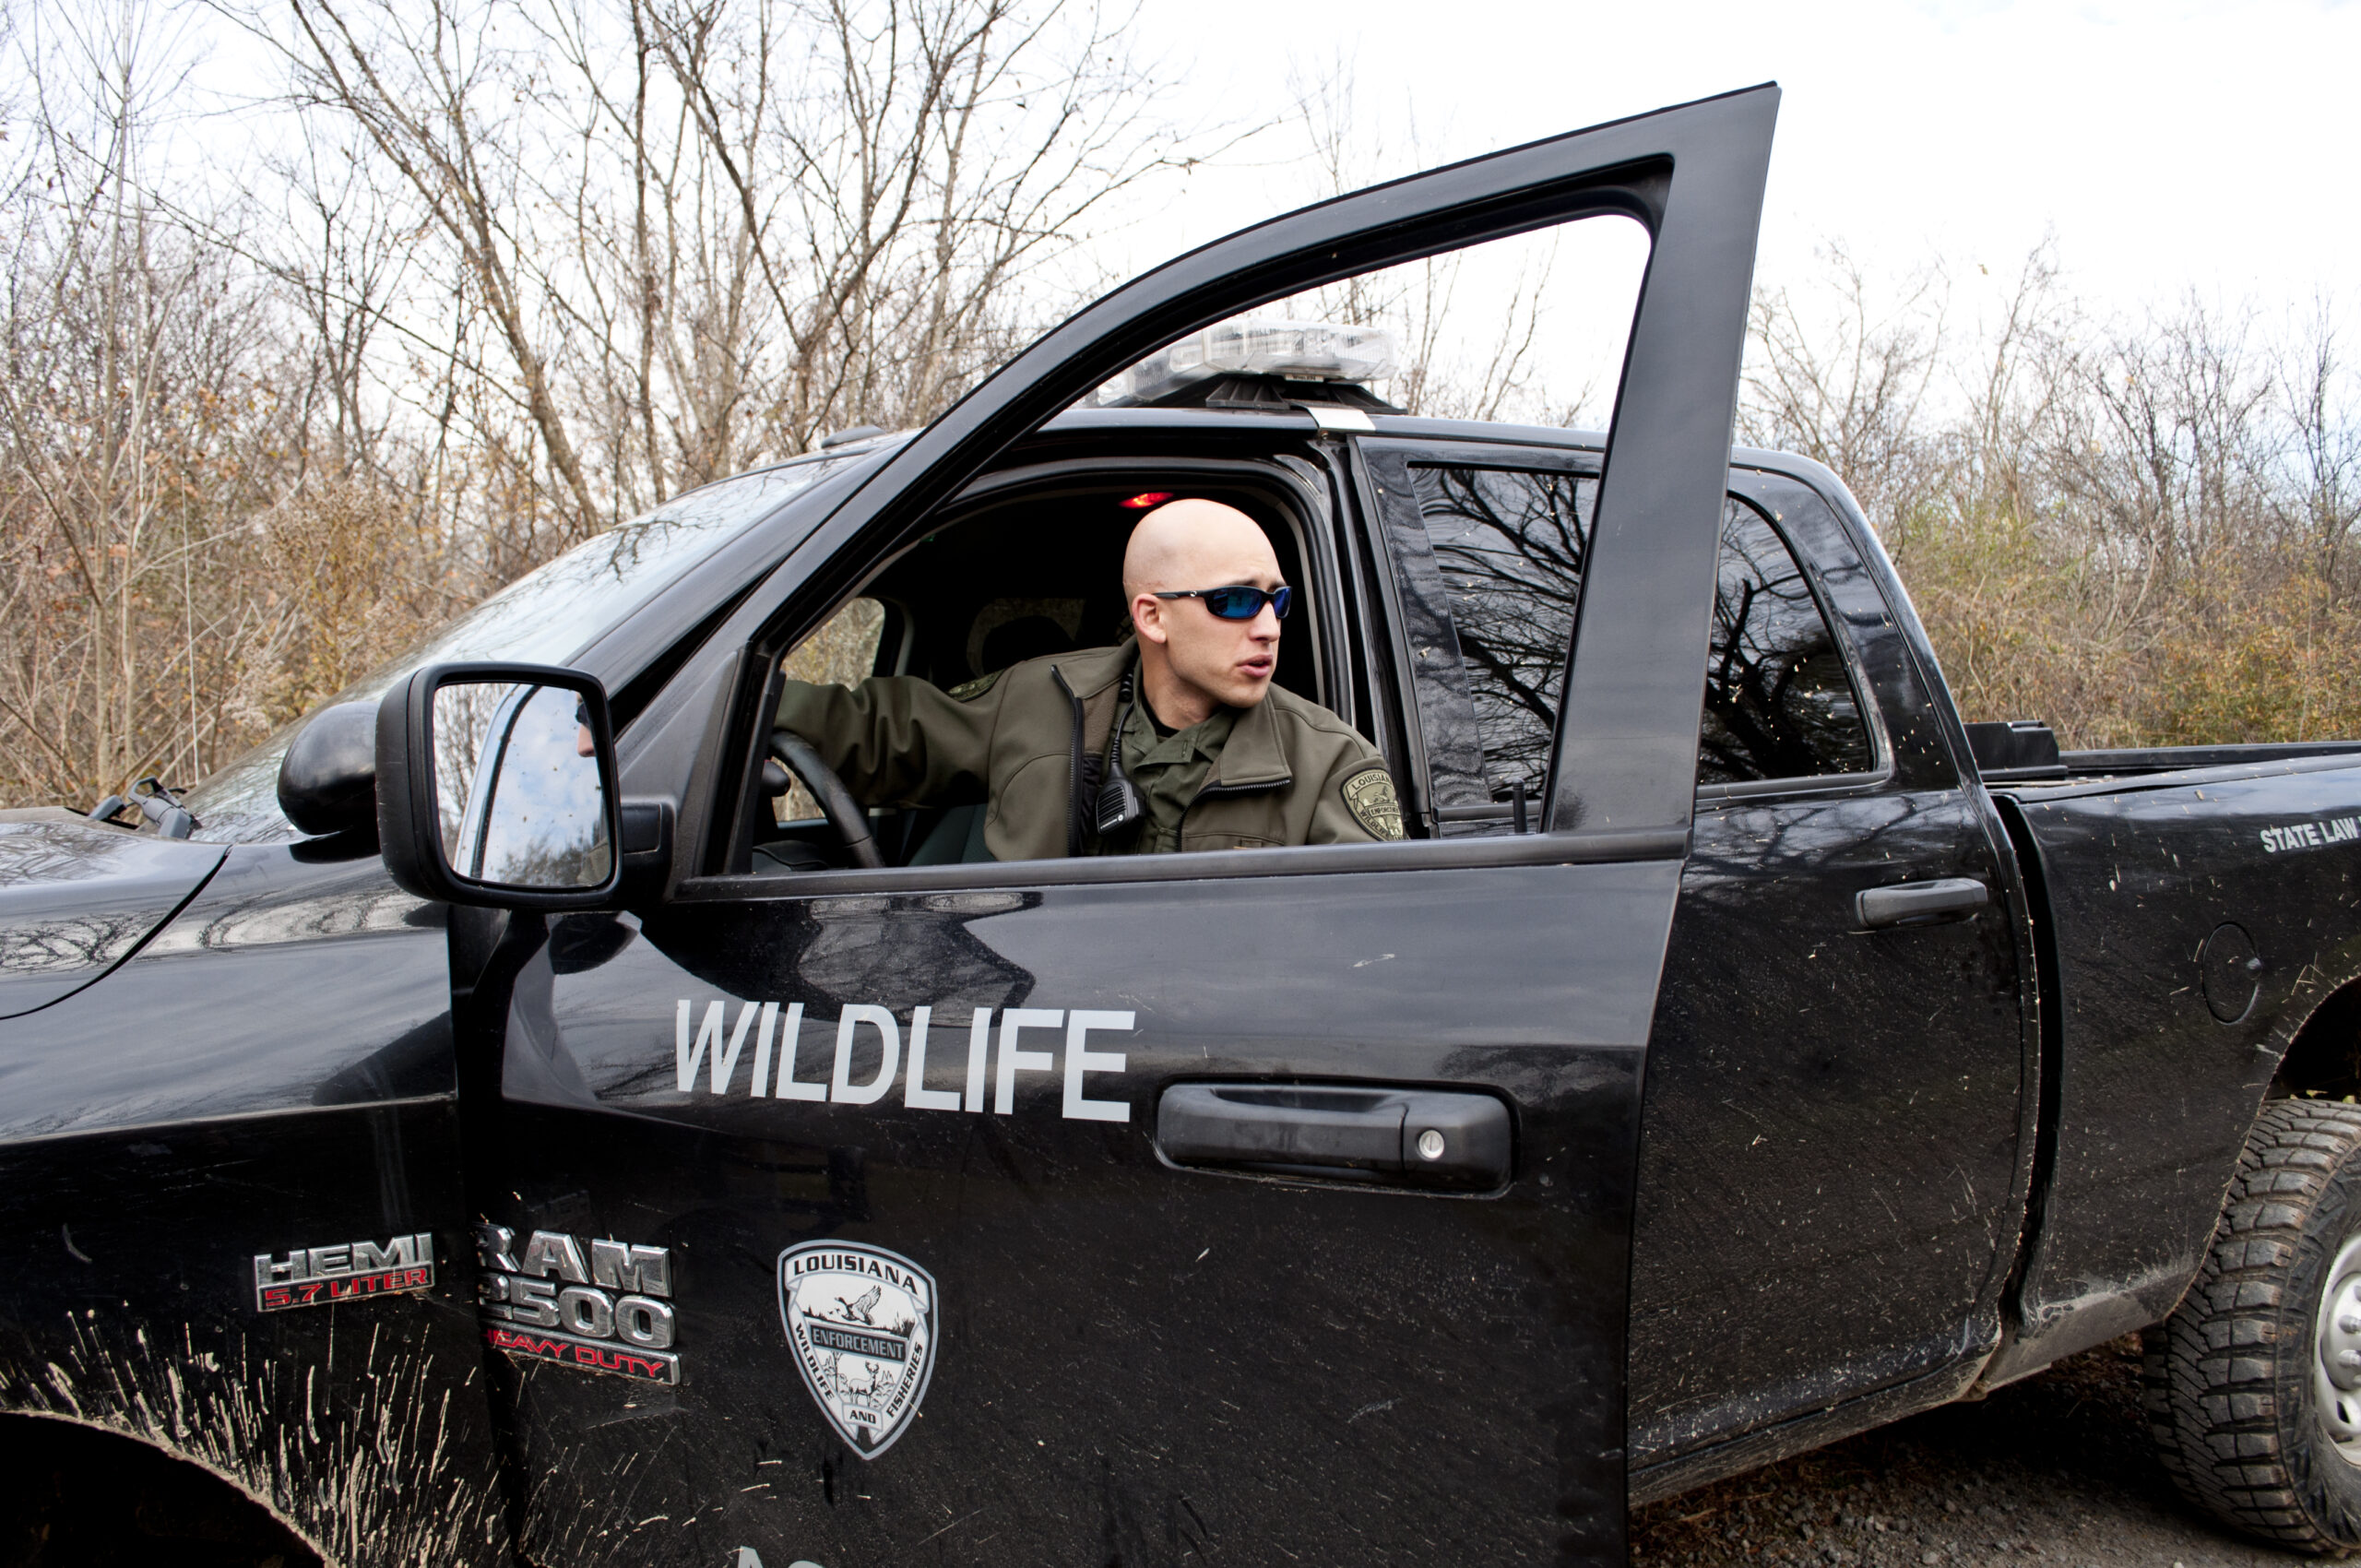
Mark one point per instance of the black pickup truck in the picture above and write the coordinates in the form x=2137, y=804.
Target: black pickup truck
x=485, y=1125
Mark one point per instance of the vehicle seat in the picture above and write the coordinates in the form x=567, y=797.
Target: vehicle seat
x=957, y=838
x=1026, y=636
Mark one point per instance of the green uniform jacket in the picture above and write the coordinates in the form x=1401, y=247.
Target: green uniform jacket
x=1022, y=739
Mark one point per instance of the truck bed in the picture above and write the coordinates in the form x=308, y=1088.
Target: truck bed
x=2192, y=906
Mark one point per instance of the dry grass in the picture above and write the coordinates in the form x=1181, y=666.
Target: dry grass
x=2246, y=646
x=2142, y=531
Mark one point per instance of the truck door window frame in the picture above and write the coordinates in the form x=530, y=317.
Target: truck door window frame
x=1326, y=557
x=1692, y=176
x=1332, y=547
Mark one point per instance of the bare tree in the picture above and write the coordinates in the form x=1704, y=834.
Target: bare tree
x=426, y=90
x=1845, y=384
x=2133, y=529
x=703, y=231
x=1470, y=324
x=501, y=275
x=125, y=346
x=2315, y=393
x=501, y=272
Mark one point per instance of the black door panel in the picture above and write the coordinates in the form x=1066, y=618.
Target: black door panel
x=1832, y=1135
x=1836, y=1144
x=1134, y=1360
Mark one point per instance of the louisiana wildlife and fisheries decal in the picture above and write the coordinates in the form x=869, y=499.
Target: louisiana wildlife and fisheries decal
x=599, y=1304
x=1369, y=795
x=861, y=1321
x=313, y=1276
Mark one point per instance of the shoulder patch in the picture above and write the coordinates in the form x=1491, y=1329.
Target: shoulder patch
x=1369, y=795
x=968, y=691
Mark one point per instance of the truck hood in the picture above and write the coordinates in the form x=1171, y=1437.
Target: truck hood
x=78, y=899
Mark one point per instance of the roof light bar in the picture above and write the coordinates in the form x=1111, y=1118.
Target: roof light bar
x=1300, y=351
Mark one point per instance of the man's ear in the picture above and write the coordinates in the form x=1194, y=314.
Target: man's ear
x=1147, y=619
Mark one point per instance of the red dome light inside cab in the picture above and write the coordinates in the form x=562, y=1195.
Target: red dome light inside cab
x=1146, y=499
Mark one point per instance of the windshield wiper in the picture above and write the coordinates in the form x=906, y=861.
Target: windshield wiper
x=156, y=803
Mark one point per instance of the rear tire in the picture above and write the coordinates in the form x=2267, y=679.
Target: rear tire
x=2255, y=1412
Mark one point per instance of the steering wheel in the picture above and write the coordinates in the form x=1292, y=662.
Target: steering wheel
x=844, y=813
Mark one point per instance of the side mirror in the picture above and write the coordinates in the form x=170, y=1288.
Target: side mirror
x=496, y=785
x=328, y=781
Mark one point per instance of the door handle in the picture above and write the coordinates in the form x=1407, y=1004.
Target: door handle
x=1399, y=1137
x=1921, y=903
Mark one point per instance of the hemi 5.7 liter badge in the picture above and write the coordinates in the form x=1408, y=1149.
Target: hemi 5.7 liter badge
x=312, y=1277
x=862, y=1321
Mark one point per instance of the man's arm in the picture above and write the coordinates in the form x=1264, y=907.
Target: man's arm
x=1357, y=803
x=895, y=739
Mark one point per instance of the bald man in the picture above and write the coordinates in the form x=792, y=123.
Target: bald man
x=1212, y=756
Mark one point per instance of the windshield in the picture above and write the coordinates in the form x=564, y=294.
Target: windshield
x=545, y=617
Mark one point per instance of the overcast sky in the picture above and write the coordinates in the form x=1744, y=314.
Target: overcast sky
x=2166, y=145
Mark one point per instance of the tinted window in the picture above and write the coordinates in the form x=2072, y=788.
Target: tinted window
x=1778, y=702
x=1510, y=546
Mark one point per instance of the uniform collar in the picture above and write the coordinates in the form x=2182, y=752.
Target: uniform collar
x=1204, y=739
x=1255, y=757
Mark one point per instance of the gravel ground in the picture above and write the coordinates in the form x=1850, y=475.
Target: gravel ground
x=2055, y=1470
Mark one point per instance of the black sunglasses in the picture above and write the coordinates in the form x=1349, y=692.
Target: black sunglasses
x=1241, y=603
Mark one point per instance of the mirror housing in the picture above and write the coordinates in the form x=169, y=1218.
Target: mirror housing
x=328, y=781
x=496, y=787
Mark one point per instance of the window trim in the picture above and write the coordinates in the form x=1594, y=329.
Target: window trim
x=1805, y=784
x=1387, y=646
x=1368, y=677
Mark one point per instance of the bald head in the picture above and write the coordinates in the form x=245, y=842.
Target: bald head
x=1196, y=545
x=1191, y=661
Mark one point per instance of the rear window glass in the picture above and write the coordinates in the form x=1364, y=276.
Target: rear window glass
x=1778, y=701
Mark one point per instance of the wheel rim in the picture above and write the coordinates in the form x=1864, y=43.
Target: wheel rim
x=2336, y=1354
